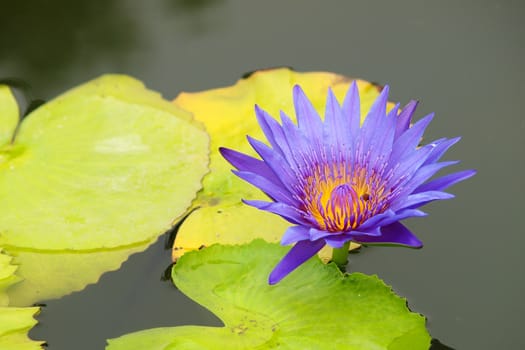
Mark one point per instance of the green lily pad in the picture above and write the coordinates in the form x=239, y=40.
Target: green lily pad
x=228, y=115
x=107, y=164
x=7, y=277
x=15, y=322
x=49, y=275
x=92, y=177
x=315, y=307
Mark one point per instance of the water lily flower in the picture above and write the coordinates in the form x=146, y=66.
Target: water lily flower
x=338, y=180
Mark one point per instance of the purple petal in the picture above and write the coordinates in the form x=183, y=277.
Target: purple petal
x=409, y=140
x=351, y=109
x=420, y=199
x=300, y=252
x=297, y=142
x=265, y=121
x=423, y=174
x=275, y=134
x=244, y=162
x=337, y=241
x=376, y=135
x=446, y=181
x=294, y=234
x=377, y=111
x=288, y=212
x=407, y=167
x=336, y=130
x=441, y=146
x=277, y=192
x=374, y=220
x=275, y=161
x=383, y=139
x=315, y=234
x=395, y=233
x=308, y=120
x=389, y=217
x=404, y=118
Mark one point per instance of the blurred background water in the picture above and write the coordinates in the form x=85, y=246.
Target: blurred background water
x=461, y=59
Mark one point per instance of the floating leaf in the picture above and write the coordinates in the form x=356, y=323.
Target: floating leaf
x=71, y=271
x=107, y=164
x=7, y=277
x=315, y=307
x=15, y=322
x=211, y=224
x=91, y=177
x=228, y=115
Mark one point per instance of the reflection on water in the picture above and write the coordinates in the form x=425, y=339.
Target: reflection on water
x=192, y=17
x=48, y=43
x=42, y=39
x=191, y=5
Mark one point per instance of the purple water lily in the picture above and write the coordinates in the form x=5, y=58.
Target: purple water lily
x=339, y=181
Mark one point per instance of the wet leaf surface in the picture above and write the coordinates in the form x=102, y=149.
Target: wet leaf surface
x=15, y=322
x=315, y=307
x=91, y=177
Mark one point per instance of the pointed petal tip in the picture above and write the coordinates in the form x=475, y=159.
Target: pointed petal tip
x=429, y=116
x=383, y=96
x=227, y=153
x=298, y=93
x=272, y=279
x=410, y=107
x=353, y=90
x=277, y=274
x=297, y=88
x=414, y=243
x=468, y=173
x=297, y=255
x=260, y=113
x=295, y=234
x=251, y=140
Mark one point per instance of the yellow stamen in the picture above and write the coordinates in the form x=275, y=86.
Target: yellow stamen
x=340, y=199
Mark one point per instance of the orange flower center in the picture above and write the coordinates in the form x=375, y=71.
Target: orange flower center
x=340, y=199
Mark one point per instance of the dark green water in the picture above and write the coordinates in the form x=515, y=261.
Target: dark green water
x=462, y=60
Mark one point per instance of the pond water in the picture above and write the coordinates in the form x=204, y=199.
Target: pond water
x=462, y=60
